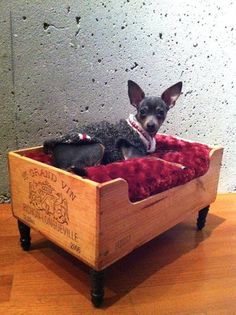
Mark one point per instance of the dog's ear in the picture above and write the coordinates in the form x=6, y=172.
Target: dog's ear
x=171, y=95
x=136, y=94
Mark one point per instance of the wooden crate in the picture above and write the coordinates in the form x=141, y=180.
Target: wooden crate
x=95, y=222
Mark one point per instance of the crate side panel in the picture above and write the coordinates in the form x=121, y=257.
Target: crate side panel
x=126, y=226
x=59, y=205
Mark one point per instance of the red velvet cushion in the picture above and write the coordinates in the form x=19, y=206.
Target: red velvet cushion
x=191, y=154
x=149, y=175
x=40, y=156
x=145, y=176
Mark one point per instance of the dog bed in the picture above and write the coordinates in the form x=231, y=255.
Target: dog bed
x=175, y=162
x=119, y=206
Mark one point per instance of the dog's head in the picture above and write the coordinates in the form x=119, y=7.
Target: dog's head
x=152, y=110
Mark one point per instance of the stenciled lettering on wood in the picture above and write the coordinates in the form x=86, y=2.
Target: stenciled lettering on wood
x=48, y=205
x=41, y=173
x=43, y=197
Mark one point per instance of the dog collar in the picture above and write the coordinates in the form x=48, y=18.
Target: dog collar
x=150, y=142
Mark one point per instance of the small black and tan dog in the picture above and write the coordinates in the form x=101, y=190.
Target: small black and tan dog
x=102, y=143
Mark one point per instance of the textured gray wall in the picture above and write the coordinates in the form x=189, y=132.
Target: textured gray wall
x=64, y=64
x=7, y=105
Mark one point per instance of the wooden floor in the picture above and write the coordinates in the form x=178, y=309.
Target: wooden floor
x=183, y=271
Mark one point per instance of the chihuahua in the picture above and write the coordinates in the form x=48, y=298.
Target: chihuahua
x=102, y=143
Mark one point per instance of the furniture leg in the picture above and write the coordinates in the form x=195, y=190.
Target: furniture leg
x=202, y=214
x=24, y=235
x=97, y=292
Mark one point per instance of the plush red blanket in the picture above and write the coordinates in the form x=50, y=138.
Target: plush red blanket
x=175, y=162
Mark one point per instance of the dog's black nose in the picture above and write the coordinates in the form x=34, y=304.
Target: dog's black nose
x=151, y=126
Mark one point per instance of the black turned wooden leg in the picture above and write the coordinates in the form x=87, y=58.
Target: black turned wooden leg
x=97, y=292
x=24, y=235
x=202, y=214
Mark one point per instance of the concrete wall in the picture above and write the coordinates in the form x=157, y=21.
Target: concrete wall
x=7, y=104
x=66, y=63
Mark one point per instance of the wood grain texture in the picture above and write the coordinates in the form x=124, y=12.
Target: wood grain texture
x=182, y=271
x=60, y=205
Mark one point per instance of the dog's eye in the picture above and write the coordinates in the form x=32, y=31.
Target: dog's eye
x=143, y=112
x=160, y=113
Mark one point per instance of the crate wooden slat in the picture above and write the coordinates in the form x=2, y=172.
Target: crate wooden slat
x=96, y=222
x=58, y=204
